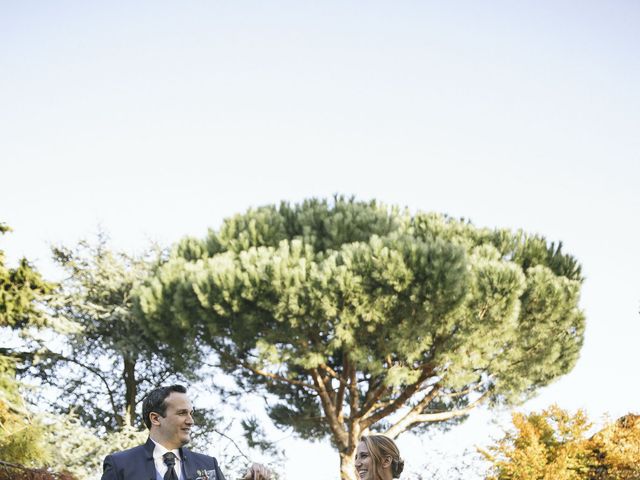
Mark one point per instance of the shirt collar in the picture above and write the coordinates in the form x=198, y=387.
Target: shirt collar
x=160, y=450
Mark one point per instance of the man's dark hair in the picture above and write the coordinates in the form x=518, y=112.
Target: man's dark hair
x=155, y=402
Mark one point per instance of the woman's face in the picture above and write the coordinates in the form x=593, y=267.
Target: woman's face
x=363, y=462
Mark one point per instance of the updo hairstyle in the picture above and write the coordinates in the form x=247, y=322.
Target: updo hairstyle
x=379, y=447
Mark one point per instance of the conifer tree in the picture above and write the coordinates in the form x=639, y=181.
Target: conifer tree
x=20, y=289
x=360, y=317
x=21, y=292
x=102, y=363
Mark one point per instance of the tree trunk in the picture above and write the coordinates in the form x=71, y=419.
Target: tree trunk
x=129, y=376
x=347, y=466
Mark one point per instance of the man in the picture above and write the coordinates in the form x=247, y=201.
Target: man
x=167, y=413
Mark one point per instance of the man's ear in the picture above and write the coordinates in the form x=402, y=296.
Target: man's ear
x=155, y=418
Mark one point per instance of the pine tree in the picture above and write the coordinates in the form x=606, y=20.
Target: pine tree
x=21, y=294
x=361, y=317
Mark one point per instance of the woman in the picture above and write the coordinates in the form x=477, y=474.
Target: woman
x=378, y=458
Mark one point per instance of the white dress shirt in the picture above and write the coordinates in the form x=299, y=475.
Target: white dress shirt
x=158, y=452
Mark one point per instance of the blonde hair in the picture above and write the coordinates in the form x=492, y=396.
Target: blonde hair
x=381, y=446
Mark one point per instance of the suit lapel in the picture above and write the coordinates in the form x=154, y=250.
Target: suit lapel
x=188, y=468
x=150, y=466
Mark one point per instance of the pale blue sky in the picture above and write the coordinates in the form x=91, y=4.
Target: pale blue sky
x=158, y=119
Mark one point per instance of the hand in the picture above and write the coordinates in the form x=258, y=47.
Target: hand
x=257, y=471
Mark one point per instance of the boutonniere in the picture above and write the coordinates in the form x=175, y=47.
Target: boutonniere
x=205, y=475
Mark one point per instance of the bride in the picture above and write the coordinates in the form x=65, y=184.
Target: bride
x=378, y=458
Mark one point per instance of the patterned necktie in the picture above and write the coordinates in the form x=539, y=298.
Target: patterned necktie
x=170, y=461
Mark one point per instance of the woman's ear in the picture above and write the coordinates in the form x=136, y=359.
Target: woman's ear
x=386, y=462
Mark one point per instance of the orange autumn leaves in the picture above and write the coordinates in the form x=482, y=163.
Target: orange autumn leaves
x=555, y=445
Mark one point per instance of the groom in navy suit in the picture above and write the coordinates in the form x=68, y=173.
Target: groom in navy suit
x=167, y=414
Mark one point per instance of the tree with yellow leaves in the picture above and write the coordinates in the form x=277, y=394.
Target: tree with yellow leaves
x=617, y=450
x=554, y=445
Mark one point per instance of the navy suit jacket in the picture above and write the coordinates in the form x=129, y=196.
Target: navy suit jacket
x=137, y=464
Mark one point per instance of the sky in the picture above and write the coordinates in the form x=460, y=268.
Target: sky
x=156, y=120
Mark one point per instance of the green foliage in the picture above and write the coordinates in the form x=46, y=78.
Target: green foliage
x=105, y=364
x=95, y=372
x=96, y=298
x=80, y=451
x=21, y=433
x=352, y=313
x=20, y=289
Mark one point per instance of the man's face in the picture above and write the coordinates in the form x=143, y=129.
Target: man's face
x=174, y=429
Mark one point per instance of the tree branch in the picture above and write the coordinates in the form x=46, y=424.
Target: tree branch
x=399, y=401
x=96, y=372
x=414, y=418
x=331, y=372
x=372, y=396
x=461, y=393
x=354, y=407
x=274, y=376
x=264, y=373
x=222, y=434
x=329, y=410
x=342, y=388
